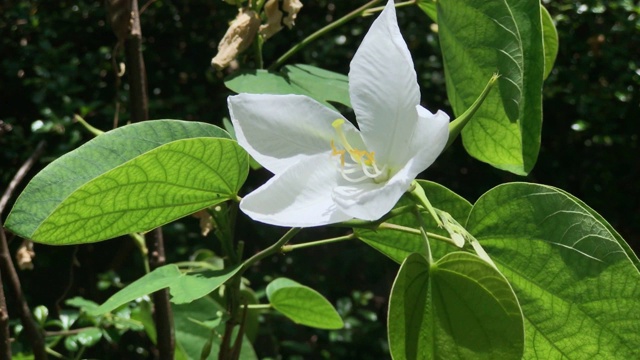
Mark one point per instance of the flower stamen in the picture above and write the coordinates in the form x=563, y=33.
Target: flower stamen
x=363, y=160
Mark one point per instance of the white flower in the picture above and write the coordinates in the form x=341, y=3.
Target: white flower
x=326, y=170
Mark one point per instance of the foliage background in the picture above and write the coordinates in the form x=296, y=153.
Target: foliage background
x=57, y=60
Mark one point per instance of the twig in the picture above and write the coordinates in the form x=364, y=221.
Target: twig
x=136, y=68
x=311, y=38
x=5, y=345
x=20, y=174
x=163, y=316
x=8, y=271
x=140, y=112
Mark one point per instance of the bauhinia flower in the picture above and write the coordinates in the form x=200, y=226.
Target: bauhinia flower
x=325, y=169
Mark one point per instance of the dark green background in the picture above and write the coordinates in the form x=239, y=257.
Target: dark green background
x=56, y=61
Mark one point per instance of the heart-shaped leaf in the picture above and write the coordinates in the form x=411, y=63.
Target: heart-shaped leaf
x=130, y=179
x=574, y=276
x=478, y=39
x=460, y=307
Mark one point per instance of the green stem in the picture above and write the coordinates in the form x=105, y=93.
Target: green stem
x=396, y=227
x=258, y=5
x=86, y=125
x=380, y=8
x=309, y=39
x=259, y=306
x=257, y=48
x=288, y=248
x=417, y=194
x=456, y=126
x=423, y=232
x=142, y=246
x=356, y=223
x=223, y=217
x=277, y=246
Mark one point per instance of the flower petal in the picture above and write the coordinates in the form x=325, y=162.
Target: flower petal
x=370, y=201
x=300, y=196
x=281, y=130
x=428, y=139
x=383, y=88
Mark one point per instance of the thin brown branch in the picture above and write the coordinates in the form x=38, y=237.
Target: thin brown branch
x=145, y=6
x=5, y=344
x=8, y=272
x=140, y=112
x=31, y=328
x=136, y=69
x=17, y=178
x=163, y=315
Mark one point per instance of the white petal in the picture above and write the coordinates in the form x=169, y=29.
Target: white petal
x=300, y=196
x=384, y=89
x=428, y=139
x=281, y=130
x=369, y=201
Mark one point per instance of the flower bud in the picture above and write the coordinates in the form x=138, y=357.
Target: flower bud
x=239, y=36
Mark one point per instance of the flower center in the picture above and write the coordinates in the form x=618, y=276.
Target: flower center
x=361, y=164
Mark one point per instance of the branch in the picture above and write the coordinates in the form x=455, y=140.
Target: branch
x=17, y=179
x=5, y=344
x=140, y=112
x=31, y=328
x=163, y=316
x=311, y=38
x=136, y=68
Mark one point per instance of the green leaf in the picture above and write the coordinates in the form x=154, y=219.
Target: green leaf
x=81, y=303
x=627, y=249
x=88, y=337
x=429, y=8
x=131, y=179
x=478, y=39
x=322, y=85
x=190, y=337
x=302, y=304
x=184, y=287
x=459, y=308
x=578, y=286
x=398, y=245
x=40, y=313
x=550, y=37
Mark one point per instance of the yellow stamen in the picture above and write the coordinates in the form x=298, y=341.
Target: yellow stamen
x=335, y=151
x=365, y=162
x=356, y=155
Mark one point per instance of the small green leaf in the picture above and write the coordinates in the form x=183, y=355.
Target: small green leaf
x=131, y=179
x=575, y=277
x=478, y=39
x=550, y=41
x=81, y=303
x=194, y=286
x=322, y=85
x=303, y=305
x=41, y=313
x=398, y=245
x=191, y=338
x=459, y=308
x=89, y=337
x=184, y=287
x=70, y=344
